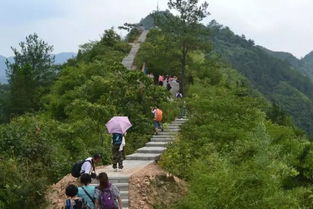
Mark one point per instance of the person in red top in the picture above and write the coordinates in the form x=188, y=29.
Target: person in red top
x=161, y=80
x=157, y=118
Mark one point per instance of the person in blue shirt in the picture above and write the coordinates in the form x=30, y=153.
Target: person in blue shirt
x=86, y=191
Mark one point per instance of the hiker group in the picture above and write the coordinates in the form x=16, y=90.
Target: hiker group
x=106, y=195
x=168, y=81
x=103, y=196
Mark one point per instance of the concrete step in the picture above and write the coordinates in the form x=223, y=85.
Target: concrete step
x=167, y=132
x=171, y=130
x=162, y=139
x=181, y=119
x=175, y=126
x=124, y=194
x=156, y=150
x=163, y=136
x=177, y=123
x=120, y=186
x=125, y=202
x=118, y=179
x=156, y=144
x=143, y=156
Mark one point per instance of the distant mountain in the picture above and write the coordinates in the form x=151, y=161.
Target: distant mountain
x=62, y=57
x=304, y=65
x=278, y=75
x=149, y=21
x=307, y=65
x=59, y=59
x=285, y=56
x=308, y=57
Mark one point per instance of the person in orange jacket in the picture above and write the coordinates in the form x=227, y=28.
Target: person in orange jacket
x=157, y=118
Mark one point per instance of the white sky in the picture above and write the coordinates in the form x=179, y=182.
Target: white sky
x=281, y=25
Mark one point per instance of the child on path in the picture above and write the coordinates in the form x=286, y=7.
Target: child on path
x=74, y=202
x=86, y=191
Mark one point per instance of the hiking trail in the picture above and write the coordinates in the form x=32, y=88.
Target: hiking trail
x=137, y=162
x=128, y=61
x=144, y=156
x=147, y=154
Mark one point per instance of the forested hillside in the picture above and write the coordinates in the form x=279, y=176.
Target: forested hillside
x=237, y=150
x=232, y=155
x=278, y=80
x=304, y=65
x=231, y=152
x=37, y=148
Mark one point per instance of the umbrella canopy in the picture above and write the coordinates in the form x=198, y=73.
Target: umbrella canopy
x=118, y=124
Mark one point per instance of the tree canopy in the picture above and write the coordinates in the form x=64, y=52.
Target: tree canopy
x=29, y=75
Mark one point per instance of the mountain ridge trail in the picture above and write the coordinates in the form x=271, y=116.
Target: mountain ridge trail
x=134, y=165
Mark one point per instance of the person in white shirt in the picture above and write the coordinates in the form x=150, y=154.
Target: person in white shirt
x=89, y=165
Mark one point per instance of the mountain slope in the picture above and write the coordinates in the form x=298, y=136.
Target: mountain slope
x=285, y=56
x=307, y=65
x=304, y=65
x=278, y=80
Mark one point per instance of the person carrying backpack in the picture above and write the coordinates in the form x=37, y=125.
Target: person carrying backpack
x=157, y=118
x=107, y=194
x=168, y=86
x=74, y=202
x=89, y=165
x=86, y=191
x=118, y=154
x=86, y=166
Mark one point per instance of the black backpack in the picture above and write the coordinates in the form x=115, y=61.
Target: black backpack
x=77, y=167
x=78, y=204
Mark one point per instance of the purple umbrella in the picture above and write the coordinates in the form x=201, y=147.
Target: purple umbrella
x=118, y=124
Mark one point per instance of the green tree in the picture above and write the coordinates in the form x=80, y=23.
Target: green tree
x=4, y=102
x=22, y=96
x=185, y=30
x=159, y=54
x=30, y=74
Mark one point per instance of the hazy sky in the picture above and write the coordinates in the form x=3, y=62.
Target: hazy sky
x=281, y=25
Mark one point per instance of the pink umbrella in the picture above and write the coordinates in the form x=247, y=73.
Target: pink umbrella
x=118, y=124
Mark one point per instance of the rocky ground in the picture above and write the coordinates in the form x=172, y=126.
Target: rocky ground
x=153, y=187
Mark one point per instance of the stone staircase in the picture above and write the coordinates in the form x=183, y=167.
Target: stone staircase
x=141, y=158
x=150, y=152
x=128, y=61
